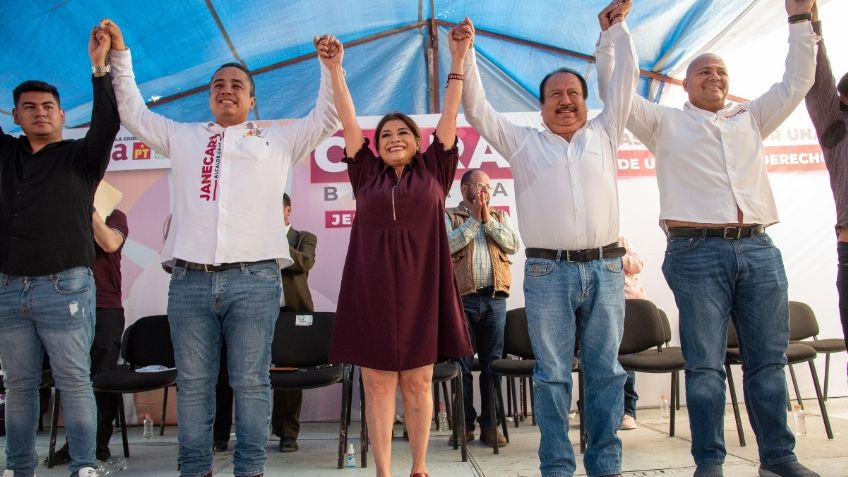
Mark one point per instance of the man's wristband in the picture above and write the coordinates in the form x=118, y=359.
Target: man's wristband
x=100, y=70
x=800, y=17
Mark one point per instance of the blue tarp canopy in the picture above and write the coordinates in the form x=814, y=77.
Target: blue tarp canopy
x=390, y=57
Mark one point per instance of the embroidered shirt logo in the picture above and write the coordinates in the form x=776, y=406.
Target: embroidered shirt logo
x=737, y=113
x=211, y=168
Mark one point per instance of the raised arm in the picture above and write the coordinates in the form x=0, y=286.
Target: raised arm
x=500, y=132
x=105, y=122
x=644, y=115
x=322, y=122
x=620, y=89
x=773, y=107
x=331, y=53
x=822, y=99
x=148, y=126
x=460, y=42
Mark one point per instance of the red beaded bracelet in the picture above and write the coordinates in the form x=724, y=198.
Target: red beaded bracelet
x=455, y=76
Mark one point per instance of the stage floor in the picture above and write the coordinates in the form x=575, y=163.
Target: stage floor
x=648, y=451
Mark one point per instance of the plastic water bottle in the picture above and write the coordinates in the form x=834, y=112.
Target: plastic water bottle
x=799, y=419
x=350, y=457
x=148, y=427
x=664, y=408
x=120, y=464
x=442, y=422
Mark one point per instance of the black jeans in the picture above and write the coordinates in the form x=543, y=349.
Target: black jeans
x=842, y=286
x=105, y=351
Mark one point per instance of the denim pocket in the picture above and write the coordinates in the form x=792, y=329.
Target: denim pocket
x=763, y=239
x=538, y=267
x=614, y=265
x=262, y=271
x=681, y=245
x=178, y=273
x=72, y=282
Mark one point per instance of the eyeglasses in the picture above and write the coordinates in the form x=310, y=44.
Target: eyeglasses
x=479, y=186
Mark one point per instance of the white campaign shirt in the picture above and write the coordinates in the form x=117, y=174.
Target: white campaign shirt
x=566, y=192
x=227, y=182
x=708, y=164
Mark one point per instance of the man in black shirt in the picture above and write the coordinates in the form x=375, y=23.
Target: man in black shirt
x=46, y=255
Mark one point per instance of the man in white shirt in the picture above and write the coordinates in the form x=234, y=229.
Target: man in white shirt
x=226, y=233
x=715, y=202
x=567, y=199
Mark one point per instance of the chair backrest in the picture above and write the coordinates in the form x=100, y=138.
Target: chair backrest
x=642, y=327
x=666, y=326
x=802, y=321
x=148, y=341
x=304, y=342
x=516, y=335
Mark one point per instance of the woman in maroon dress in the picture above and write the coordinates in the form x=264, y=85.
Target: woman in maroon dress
x=399, y=309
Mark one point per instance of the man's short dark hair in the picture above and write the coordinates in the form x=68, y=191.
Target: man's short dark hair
x=562, y=70
x=842, y=87
x=286, y=200
x=241, y=67
x=466, y=178
x=30, y=86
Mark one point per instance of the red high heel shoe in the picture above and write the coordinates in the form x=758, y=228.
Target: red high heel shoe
x=419, y=474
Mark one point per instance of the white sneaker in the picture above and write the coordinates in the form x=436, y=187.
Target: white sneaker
x=87, y=472
x=628, y=423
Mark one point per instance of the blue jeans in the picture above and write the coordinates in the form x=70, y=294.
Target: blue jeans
x=241, y=306
x=53, y=313
x=630, y=395
x=582, y=300
x=485, y=318
x=715, y=280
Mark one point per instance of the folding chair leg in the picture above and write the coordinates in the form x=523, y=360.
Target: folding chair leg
x=826, y=373
x=491, y=385
x=343, y=420
x=164, y=412
x=448, y=406
x=459, y=415
x=735, y=403
x=54, y=427
x=511, y=404
x=674, y=398
x=822, y=406
x=532, y=402
x=123, y=420
x=795, y=386
x=676, y=375
x=500, y=407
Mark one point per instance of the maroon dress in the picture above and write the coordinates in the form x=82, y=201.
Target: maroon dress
x=399, y=306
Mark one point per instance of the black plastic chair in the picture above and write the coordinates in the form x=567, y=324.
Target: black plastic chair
x=517, y=343
x=146, y=342
x=304, y=345
x=803, y=325
x=642, y=347
x=795, y=353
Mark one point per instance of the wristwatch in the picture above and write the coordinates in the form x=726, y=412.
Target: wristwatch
x=800, y=17
x=100, y=70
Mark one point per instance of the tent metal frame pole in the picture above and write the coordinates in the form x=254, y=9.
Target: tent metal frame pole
x=433, y=60
x=282, y=64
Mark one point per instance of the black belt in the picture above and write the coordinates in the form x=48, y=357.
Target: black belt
x=488, y=292
x=607, y=251
x=202, y=267
x=729, y=233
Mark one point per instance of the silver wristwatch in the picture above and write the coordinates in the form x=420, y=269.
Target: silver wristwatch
x=100, y=70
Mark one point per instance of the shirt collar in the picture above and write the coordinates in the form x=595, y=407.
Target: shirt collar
x=418, y=157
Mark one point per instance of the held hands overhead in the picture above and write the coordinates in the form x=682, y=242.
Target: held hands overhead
x=614, y=13
x=98, y=46
x=111, y=28
x=330, y=49
x=461, y=38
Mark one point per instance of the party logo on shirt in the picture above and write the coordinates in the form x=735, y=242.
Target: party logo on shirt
x=210, y=169
x=737, y=113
